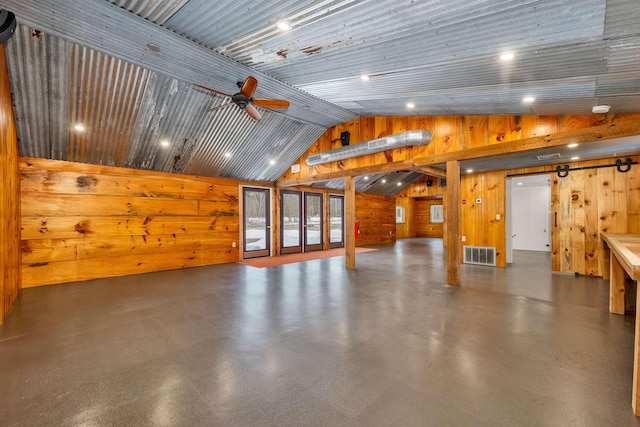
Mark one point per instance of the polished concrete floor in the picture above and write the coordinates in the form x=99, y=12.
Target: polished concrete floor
x=312, y=344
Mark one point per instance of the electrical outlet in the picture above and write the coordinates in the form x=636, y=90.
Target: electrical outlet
x=497, y=217
x=464, y=238
x=233, y=245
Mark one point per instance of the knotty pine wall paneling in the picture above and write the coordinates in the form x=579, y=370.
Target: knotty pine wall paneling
x=377, y=216
x=10, y=274
x=82, y=222
x=423, y=225
x=451, y=133
x=408, y=228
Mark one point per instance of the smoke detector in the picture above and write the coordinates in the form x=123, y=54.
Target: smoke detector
x=601, y=109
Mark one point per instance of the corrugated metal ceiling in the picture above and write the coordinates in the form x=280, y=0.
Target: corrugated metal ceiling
x=95, y=66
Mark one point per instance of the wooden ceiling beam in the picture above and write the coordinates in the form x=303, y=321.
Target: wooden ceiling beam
x=430, y=170
x=592, y=134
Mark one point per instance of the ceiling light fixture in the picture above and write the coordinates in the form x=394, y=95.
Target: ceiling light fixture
x=366, y=178
x=528, y=99
x=272, y=162
x=411, y=105
x=365, y=77
x=507, y=56
x=519, y=183
x=575, y=158
x=600, y=109
x=469, y=170
x=572, y=145
x=153, y=47
x=399, y=184
x=384, y=181
x=227, y=155
x=80, y=127
x=283, y=26
x=164, y=143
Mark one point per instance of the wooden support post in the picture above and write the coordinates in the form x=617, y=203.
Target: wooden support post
x=616, y=287
x=453, y=222
x=350, y=218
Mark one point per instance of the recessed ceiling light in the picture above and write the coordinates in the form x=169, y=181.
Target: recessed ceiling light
x=573, y=145
x=366, y=178
x=384, y=181
x=507, y=56
x=164, y=143
x=469, y=170
x=575, y=158
x=80, y=127
x=411, y=105
x=399, y=184
x=272, y=162
x=528, y=99
x=153, y=47
x=227, y=155
x=519, y=183
x=365, y=77
x=283, y=26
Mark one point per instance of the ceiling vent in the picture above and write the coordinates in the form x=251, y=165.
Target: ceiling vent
x=403, y=139
x=549, y=156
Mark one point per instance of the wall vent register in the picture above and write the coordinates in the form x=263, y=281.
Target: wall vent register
x=480, y=255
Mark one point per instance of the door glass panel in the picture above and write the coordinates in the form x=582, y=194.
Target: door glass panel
x=336, y=219
x=256, y=222
x=291, y=217
x=313, y=220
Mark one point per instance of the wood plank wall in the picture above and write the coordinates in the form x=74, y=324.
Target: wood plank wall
x=377, y=216
x=83, y=222
x=408, y=228
x=10, y=275
x=479, y=225
x=424, y=226
x=419, y=197
x=451, y=133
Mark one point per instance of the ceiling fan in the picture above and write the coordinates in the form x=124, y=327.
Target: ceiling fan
x=245, y=100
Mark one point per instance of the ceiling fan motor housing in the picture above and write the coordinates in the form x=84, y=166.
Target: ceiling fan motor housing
x=240, y=100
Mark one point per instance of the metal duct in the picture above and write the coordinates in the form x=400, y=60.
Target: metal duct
x=402, y=139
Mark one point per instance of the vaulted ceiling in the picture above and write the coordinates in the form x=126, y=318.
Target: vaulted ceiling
x=126, y=69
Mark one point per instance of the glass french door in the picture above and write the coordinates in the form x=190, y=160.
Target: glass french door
x=256, y=213
x=336, y=221
x=291, y=220
x=313, y=222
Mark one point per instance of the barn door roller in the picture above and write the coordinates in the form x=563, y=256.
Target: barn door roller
x=621, y=166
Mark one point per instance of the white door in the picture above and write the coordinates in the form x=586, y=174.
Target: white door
x=531, y=213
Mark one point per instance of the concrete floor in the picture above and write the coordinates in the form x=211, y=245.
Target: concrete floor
x=312, y=344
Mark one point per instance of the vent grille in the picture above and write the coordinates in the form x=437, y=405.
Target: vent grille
x=549, y=156
x=480, y=255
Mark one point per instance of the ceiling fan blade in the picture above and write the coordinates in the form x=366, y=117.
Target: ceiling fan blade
x=221, y=106
x=212, y=90
x=251, y=110
x=249, y=87
x=270, y=103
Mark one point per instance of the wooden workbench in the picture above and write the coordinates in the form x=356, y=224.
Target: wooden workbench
x=623, y=252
